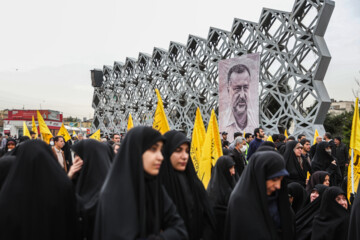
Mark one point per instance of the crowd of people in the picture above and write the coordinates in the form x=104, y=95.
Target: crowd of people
x=144, y=186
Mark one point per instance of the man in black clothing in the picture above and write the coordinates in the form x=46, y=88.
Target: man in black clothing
x=313, y=147
x=254, y=144
x=238, y=156
x=327, y=138
x=306, y=149
x=301, y=137
x=280, y=144
x=341, y=154
x=224, y=141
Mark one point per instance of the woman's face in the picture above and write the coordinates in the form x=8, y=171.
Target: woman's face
x=10, y=145
x=180, y=157
x=314, y=195
x=327, y=181
x=152, y=159
x=341, y=199
x=273, y=184
x=232, y=171
x=298, y=149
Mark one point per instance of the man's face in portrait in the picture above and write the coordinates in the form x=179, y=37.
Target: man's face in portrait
x=239, y=90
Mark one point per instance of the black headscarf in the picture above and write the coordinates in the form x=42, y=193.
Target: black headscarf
x=5, y=164
x=96, y=158
x=317, y=177
x=123, y=208
x=185, y=189
x=296, y=173
x=322, y=162
x=219, y=189
x=305, y=217
x=299, y=194
x=37, y=200
x=221, y=183
x=6, y=151
x=333, y=219
x=248, y=215
x=354, y=230
x=321, y=159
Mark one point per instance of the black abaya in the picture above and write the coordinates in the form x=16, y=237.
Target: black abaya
x=96, y=158
x=354, y=230
x=296, y=173
x=322, y=162
x=186, y=191
x=305, y=217
x=133, y=205
x=219, y=189
x=248, y=215
x=299, y=195
x=333, y=219
x=37, y=200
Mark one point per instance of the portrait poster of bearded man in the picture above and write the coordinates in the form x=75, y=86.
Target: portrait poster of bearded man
x=239, y=94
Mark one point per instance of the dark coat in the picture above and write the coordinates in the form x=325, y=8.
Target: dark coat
x=342, y=154
x=239, y=160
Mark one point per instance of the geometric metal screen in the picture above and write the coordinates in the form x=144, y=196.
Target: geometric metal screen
x=294, y=59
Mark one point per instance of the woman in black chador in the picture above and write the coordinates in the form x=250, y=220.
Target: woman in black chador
x=332, y=222
x=37, y=200
x=305, y=217
x=179, y=178
x=259, y=206
x=354, y=230
x=324, y=161
x=133, y=204
x=219, y=189
x=295, y=164
x=318, y=177
x=96, y=157
x=297, y=196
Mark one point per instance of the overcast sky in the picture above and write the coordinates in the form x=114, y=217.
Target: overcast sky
x=47, y=48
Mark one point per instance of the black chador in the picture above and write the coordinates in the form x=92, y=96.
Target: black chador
x=298, y=193
x=322, y=161
x=354, y=230
x=37, y=200
x=132, y=204
x=305, y=217
x=252, y=214
x=186, y=191
x=96, y=158
x=5, y=165
x=332, y=222
x=317, y=177
x=296, y=167
x=219, y=189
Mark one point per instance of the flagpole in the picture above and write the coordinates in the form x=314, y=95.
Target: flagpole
x=352, y=171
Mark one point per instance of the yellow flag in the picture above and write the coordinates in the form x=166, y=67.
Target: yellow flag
x=315, y=136
x=197, y=140
x=44, y=130
x=244, y=134
x=130, y=124
x=307, y=175
x=269, y=139
x=96, y=135
x=354, y=144
x=286, y=134
x=26, y=130
x=211, y=150
x=160, y=121
x=74, y=133
x=34, y=128
x=64, y=132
